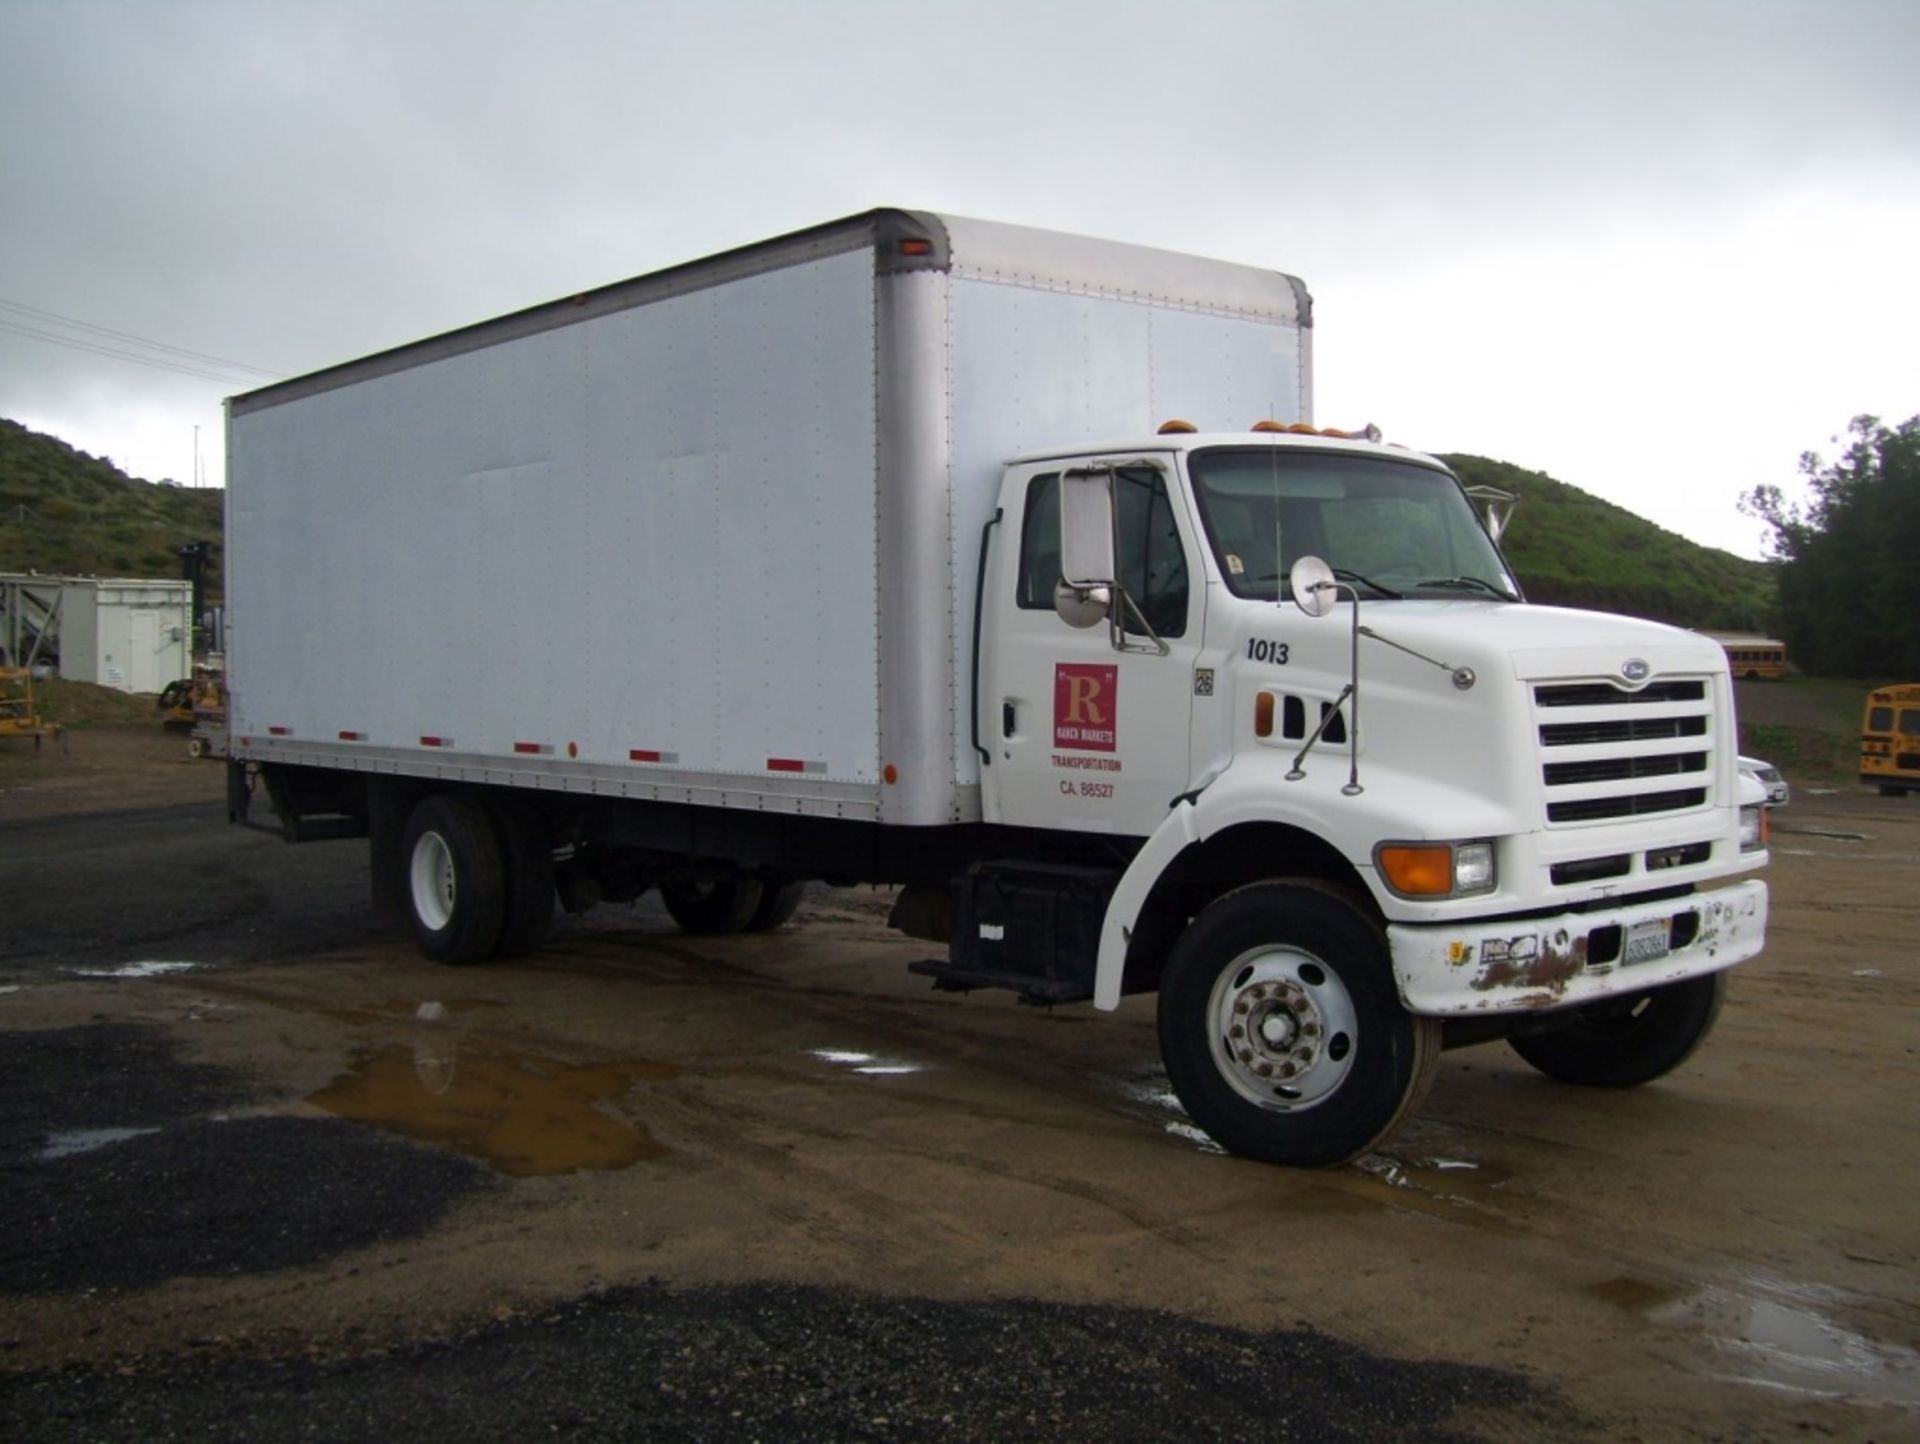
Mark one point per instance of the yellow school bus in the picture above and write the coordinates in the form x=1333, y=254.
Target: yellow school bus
x=1890, y=739
x=1751, y=657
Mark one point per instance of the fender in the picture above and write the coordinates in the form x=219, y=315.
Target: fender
x=1255, y=790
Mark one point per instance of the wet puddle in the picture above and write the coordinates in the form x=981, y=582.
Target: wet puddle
x=84, y=1140
x=135, y=970
x=525, y=1113
x=871, y=1065
x=1458, y=1182
x=1155, y=1097
x=1776, y=1345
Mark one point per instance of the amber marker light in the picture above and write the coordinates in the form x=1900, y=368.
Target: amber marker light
x=1418, y=871
x=1263, y=714
x=890, y=774
x=1268, y=427
x=916, y=248
x=1177, y=427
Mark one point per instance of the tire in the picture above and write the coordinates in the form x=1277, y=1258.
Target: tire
x=1628, y=1041
x=710, y=908
x=454, y=879
x=1289, y=976
x=778, y=903
x=527, y=852
x=196, y=748
x=1888, y=790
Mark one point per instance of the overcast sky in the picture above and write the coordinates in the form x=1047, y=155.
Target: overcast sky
x=1655, y=249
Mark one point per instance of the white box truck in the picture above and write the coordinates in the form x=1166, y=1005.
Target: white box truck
x=1007, y=568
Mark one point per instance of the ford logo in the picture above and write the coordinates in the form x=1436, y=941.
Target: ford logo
x=1634, y=670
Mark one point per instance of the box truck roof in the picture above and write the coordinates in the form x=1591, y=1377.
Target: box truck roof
x=902, y=241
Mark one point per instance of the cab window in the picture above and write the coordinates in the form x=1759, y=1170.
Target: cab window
x=1152, y=563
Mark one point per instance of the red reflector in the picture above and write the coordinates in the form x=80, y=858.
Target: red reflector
x=532, y=747
x=642, y=754
x=353, y=737
x=785, y=764
x=916, y=248
x=433, y=742
x=279, y=732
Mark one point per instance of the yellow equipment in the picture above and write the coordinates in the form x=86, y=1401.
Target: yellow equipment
x=17, y=715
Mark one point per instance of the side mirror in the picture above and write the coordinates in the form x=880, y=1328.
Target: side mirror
x=1314, y=588
x=1084, y=595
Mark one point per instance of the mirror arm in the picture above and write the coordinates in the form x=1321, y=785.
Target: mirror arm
x=1117, y=632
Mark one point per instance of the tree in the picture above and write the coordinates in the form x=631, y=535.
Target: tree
x=1850, y=555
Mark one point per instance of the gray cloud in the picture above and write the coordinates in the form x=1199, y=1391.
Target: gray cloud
x=291, y=184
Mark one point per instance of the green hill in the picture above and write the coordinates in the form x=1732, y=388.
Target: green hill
x=1571, y=549
x=65, y=512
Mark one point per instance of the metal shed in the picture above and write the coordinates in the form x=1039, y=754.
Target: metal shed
x=131, y=633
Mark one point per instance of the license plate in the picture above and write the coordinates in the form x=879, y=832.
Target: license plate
x=1648, y=940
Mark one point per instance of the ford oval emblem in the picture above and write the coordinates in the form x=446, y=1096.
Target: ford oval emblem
x=1634, y=670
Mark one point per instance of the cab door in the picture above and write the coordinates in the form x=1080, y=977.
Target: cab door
x=1084, y=735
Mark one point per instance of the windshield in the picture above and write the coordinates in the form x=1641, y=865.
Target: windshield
x=1389, y=528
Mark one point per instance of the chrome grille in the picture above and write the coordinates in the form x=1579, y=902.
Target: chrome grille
x=1609, y=753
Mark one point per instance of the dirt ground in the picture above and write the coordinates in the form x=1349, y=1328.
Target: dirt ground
x=246, y=1127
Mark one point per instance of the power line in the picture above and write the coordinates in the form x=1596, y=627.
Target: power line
x=95, y=349
x=166, y=361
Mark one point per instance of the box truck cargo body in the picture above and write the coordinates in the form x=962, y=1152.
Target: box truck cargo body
x=728, y=518
x=889, y=551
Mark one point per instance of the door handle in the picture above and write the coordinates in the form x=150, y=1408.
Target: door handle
x=1009, y=721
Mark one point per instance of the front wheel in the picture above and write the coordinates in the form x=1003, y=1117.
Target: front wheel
x=1282, y=1030
x=1624, y=1042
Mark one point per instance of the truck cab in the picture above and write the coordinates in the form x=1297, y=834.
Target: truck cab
x=1292, y=671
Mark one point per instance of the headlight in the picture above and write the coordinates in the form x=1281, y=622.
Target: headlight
x=1436, y=869
x=1753, y=828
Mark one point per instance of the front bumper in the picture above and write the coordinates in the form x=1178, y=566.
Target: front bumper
x=1513, y=965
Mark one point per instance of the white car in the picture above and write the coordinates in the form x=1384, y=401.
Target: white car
x=1768, y=776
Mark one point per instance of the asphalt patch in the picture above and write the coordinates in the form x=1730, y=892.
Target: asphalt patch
x=119, y=1170
x=786, y=1362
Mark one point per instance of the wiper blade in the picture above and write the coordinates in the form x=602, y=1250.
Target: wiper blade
x=1348, y=576
x=1470, y=583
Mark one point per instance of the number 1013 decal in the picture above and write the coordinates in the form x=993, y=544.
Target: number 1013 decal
x=1259, y=649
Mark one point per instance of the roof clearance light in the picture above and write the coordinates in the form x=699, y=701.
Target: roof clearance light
x=1267, y=426
x=1177, y=427
x=916, y=248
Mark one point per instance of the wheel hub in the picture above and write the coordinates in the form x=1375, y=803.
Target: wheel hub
x=1284, y=1028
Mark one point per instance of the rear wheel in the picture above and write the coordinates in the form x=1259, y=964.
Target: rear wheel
x=1282, y=1030
x=456, y=879
x=527, y=851
x=727, y=905
x=1628, y=1041
x=778, y=903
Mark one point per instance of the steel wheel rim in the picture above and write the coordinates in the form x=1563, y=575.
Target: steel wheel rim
x=433, y=881
x=1282, y=1028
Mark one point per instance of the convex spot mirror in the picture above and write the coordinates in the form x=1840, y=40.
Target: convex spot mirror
x=1084, y=595
x=1082, y=606
x=1314, y=588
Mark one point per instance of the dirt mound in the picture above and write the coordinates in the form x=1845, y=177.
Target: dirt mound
x=82, y=704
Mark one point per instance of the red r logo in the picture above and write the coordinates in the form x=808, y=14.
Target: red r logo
x=1086, y=705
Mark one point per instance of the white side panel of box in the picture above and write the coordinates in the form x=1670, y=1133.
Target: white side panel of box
x=1035, y=368
x=651, y=530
